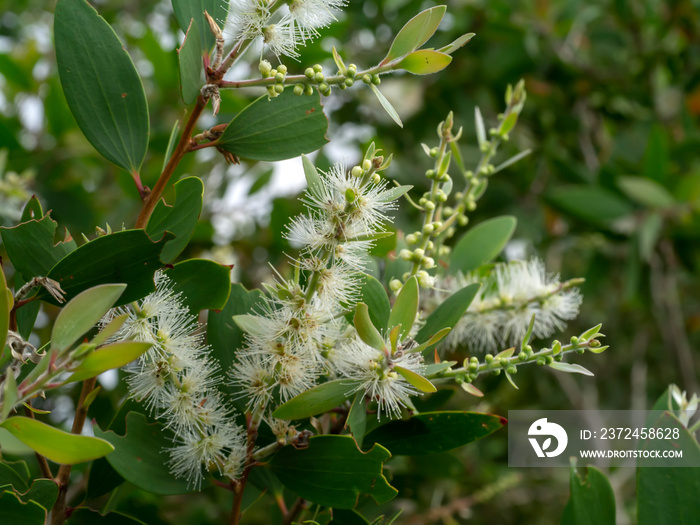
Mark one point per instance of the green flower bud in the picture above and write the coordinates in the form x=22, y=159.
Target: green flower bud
x=430, y=205
x=309, y=73
x=512, y=369
x=265, y=67
x=419, y=252
x=318, y=68
x=357, y=171
x=367, y=79
x=319, y=77
x=279, y=88
x=411, y=238
x=376, y=178
x=549, y=359
x=422, y=201
x=574, y=340
x=323, y=88
x=271, y=91
x=428, y=262
x=462, y=220
x=350, y=195
x=434, y=152
x=395, y=285
x=308, y=91
x=424, y=279
x=430, y=245
x=444, y=251
x=342, y=86
x=376, y=80
x=430, y=174
x=366, y=164
x=282, y=69
x=496, y=372
x=428, y=229
x=522, y=356
x=279, y=77
x=488, y=358
x=352, y=71
x=299, y=90
x=406, y=255
x=349, y=82
x=541, y=361
x=503, y=361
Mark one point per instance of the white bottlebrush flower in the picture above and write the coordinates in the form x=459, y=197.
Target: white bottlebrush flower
x=509, y=296
x=283, y=37
x=211, y=449
x=379, y=382
x=254, y=378
x=313, y=14
x=247, y=18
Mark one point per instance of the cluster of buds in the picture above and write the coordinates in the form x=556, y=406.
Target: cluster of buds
x=279, y=74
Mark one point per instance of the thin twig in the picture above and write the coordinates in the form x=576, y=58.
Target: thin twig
x=294, y=511
x=58, y=513
x=180, y=150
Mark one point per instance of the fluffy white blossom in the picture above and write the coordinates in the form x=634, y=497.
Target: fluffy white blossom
x=291, y=339
x=509, y=296
x=178, y=383
x=379, y=381
x=283, y=30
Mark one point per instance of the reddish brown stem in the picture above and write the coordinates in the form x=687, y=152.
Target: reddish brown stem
x=58, y=513
x=240, y=486
x=181, y=149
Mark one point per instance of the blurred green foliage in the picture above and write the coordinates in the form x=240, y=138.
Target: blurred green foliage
x=611, y=193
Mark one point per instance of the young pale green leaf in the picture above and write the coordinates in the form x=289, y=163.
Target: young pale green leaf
x=592, y=499
x=424, y=62
x=415, y=379
x=30, y=247
x=127, y=256
x=108, y=331
x=434, y=432
x=10, y=395
x=339, y=61
x=189, y=58
x=454, y=46
x=357, y=418
x=482, y=243
x=374, y=296
x=204, y=284
x=436, y=368
x=570, y=368
x=393, y=193
x=405, y=307
x=471, y=390
x=180, y=219
x=107, y=358
x=277, y=129
x=193, y=10
x=448, y=313
x=333, y=472
x=591, y=333
x=82, y=313
x=250, y=324
x=100, y=82
x=387, y=105
x=510, y=380
x=313, y=179
x=436, y=338
x=138, y=457
x=528, y=334
x=646, y=192
x=509, y=123
x=317, y=400
x=55, y=444
x=480, y=127
x=394, y=338
x=415, y=33
x=511, y=161
x=366, y=330
x=599, y=350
